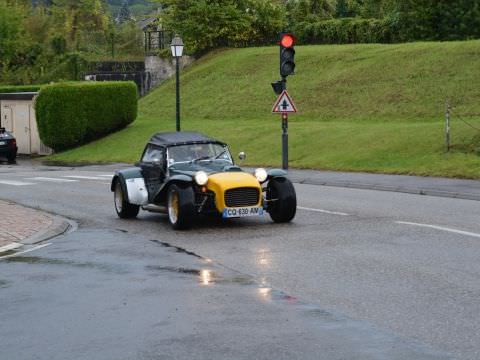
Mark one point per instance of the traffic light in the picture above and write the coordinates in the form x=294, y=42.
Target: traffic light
x=278, y=87
x=287, y=54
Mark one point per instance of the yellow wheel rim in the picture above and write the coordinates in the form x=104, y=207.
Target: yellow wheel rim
x=173, y=207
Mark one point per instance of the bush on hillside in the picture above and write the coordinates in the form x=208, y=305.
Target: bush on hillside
x=347, y=31
x=438, y=20
x=71, y=114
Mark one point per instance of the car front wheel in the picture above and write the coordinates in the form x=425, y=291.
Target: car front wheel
x=124, y=209
x=181, y=207
x=282, y=200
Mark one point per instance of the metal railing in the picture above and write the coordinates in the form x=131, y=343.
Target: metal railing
x=157, y=40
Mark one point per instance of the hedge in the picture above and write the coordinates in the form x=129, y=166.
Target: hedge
x=19, y=88
x=348, y=31
x=71, y=114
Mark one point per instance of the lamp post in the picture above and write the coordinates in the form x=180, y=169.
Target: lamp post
x=177, y=51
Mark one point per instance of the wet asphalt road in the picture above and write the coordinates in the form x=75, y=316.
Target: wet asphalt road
x=92, y=295
x=352, y=253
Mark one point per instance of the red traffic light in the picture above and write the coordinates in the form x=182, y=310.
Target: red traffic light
x=287, y=40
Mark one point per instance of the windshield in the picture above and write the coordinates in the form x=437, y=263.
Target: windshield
x=198, y=152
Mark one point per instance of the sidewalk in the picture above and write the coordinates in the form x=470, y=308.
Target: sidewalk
x=443, y=187
x=20, y=226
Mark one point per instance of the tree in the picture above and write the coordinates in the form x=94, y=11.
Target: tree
x=439, y=19
x=75, y=16
x=267, y=19
x=456, y=20
x=365, y=8
x=321, y=8
x=308, y=11
x=10, y=30
x=208, y=24
x=344, y=9
x=124, y=14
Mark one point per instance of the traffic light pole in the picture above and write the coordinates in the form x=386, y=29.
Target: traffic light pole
x=284, y=133
x=285, y=141
x=287, y=67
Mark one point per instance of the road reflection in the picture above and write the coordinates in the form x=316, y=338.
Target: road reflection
x=263, y=258
x=206, y=277
x=264, y=291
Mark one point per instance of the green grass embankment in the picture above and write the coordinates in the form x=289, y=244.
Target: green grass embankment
x=375, y=108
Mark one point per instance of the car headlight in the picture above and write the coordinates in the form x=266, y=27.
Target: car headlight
x=201, y=178
x=261, y=174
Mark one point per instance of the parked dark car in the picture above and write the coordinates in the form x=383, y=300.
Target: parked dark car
x=8, y=146
x=185, y=174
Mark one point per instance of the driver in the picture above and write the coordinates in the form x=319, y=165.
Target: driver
x=200, y=151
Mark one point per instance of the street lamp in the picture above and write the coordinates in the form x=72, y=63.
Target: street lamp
x=177, y=51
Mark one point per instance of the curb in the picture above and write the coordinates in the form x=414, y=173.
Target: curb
x=59, y=227
x=378, y=187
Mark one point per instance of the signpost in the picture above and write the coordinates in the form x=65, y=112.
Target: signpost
x=284, y=105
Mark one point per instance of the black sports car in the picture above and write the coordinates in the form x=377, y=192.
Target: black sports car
x=185, y=174
x=8, y=146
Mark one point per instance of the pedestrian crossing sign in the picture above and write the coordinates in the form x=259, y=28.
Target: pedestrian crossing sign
x=284, y=104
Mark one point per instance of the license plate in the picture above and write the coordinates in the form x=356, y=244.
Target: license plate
x=242, y=212
x=3, y=143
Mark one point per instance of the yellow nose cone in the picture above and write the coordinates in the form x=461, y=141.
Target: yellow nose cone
x=219, y=183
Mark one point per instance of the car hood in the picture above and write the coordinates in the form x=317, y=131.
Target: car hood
x=220, y=183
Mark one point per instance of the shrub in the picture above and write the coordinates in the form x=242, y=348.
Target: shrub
x=347, y=31
x=71, y=114
x=19, y=88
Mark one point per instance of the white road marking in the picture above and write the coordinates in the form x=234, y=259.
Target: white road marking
x=52, y=179
x=15, y=183
x=84, y=177
x=442, y=228
x=26, y=251
x=107, y=176
x=323, y=211
x=9, y=247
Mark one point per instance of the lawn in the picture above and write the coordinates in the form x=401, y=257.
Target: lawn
x=375, y=108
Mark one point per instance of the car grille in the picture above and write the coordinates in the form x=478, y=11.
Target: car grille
x=246, y=196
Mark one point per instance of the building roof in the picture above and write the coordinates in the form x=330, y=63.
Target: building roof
x=180, y=138
x=18, y=96
x=147, y=23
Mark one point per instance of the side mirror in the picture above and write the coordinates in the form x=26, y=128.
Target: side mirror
x=242, y=156
x=157, y=162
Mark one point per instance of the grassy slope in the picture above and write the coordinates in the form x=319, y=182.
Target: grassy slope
x=377, y=108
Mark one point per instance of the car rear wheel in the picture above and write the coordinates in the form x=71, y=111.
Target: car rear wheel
x=181, y=208
x=282, y=200
x=11, y=158
x=124, y=209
